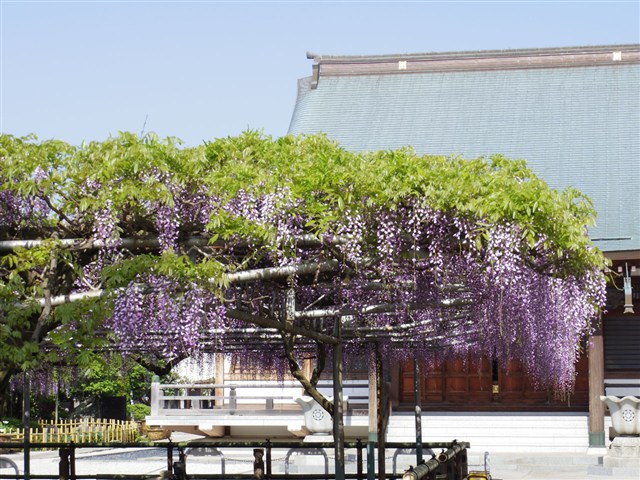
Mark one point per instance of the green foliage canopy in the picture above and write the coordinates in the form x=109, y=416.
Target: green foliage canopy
x=129, y=220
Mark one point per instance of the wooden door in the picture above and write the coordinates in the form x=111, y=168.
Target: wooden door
x=469, y=385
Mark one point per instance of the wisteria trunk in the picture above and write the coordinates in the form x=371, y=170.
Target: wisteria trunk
x=5, y=395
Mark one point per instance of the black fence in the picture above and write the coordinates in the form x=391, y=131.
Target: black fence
x=448, y=461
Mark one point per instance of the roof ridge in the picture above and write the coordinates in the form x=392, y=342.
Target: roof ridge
x=568, y=57
x=586, y=49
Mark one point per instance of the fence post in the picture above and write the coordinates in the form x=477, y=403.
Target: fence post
x=268, y=459
x=72, y=461
x=180, y=467
x=63, y=466
x=463, y=463
x=359, y=459
x=170, y=457
x=258, y=463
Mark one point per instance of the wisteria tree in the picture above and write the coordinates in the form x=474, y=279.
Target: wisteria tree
x=279, y=249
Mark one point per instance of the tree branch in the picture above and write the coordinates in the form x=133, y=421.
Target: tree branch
x=158, y=369
x=320, y=363
x=297, y=373
x=49, y=279
x=281, y=326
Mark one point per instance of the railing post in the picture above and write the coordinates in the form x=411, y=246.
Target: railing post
x=487, y=462
x=156, y=392
x=233, y=400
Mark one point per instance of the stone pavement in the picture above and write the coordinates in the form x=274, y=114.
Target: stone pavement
x=555, y=466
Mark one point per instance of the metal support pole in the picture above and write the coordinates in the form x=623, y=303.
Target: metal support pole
x=417, y=392
x=382, y=413
x=338, y=425
x=26, y=421
x=373, y=414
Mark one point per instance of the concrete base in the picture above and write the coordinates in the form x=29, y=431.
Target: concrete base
x=615, y=462
x=318, y=438
x=623, y=458
x=625, y=449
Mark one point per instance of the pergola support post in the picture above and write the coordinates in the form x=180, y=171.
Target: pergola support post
x=596, y=388
x=26, y=421
x=418, y=410
x=382, y=415
x=373, y=414
x=338, y=424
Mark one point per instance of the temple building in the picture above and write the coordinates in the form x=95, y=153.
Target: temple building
x=574, y=115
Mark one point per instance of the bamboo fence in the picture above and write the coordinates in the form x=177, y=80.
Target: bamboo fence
x=79, y=431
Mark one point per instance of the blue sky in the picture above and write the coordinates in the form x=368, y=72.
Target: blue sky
x=84, y=70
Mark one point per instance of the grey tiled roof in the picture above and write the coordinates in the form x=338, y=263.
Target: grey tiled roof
x=577, y=126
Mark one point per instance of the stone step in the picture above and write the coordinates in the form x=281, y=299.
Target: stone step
x=535, y=433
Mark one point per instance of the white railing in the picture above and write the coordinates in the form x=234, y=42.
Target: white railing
x=262, y=397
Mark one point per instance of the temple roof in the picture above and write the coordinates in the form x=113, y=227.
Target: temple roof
x=573, y=113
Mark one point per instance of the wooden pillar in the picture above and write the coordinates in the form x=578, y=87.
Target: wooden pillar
x=596, y=388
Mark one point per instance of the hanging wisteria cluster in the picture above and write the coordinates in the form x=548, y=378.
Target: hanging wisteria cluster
x=239, y=243
x=158, y=313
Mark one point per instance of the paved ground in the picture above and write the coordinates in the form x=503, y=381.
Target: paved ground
x=517, y=466
x=512, y=466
